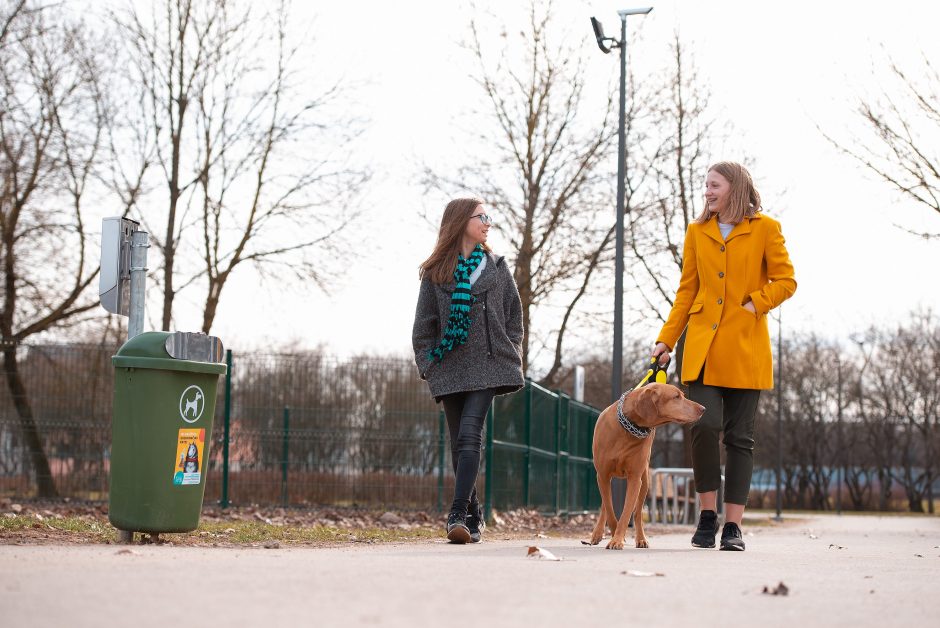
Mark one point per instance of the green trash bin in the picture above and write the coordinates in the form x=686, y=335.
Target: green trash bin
x=164, y=403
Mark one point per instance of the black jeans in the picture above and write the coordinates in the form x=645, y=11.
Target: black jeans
x=466, y=419
x=732, y=411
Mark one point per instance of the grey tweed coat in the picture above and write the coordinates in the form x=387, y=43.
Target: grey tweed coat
x=492, y=355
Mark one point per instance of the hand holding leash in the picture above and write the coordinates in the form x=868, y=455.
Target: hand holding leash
x=660, y=349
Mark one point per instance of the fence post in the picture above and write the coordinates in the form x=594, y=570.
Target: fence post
x=490, y=474
x=528, y=441
x=559, y=400
x=227, y=422
x=442, y=453
x=284, y=456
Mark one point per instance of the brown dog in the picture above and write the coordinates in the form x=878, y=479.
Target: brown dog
x=619, y=453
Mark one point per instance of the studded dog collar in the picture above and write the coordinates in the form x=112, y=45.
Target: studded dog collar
x=627, y=424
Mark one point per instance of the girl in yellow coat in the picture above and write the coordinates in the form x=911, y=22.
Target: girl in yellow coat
x=735, y=269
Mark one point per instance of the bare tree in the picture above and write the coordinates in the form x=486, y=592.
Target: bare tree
x=539, y=168
x=52, y=122
x=663, y=198
x=250, y=166
x=900, y=134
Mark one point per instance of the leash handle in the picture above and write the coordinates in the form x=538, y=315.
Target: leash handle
x=656, y=373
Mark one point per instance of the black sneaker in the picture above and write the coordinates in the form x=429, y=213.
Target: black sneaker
x=457, y=530
x=475, y=522
x=731, y=538
x=707, y=529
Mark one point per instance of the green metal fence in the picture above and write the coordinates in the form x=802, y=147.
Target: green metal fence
x=538, y=445
x=305, y=429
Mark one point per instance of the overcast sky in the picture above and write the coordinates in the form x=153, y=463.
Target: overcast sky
x=775, y=70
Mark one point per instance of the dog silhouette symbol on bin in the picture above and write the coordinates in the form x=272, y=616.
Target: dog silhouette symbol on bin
x=191, y=409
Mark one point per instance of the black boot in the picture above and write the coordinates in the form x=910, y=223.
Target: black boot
x=457, y=530
x=475, y=522
x=707, y=529
x=731, y=537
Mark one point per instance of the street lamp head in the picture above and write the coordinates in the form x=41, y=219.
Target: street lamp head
x=640, y=11
x=599, y=35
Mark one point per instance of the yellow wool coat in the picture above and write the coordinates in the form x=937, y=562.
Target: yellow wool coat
x=718, y=277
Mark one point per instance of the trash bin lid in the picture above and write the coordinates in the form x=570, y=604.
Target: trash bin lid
x=149, y=351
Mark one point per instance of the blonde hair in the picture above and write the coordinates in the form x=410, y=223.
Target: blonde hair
x=744, y=199
x=439, y=267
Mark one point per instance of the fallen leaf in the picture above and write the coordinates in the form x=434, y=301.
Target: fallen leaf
x=813, y=536
x=539, y=535
x=538, y=552
x=272, y=545
x=643, y=574
x=585, y=542
x=831, y=545
x=126, y=551
x=919, y=555
x=780, y=589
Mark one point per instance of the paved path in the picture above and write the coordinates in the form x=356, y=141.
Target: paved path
x=858, y=571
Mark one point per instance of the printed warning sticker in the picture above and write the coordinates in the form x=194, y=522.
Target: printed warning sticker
x=189, y=452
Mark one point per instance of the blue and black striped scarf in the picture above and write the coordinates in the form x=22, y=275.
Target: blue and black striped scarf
x=458, y=323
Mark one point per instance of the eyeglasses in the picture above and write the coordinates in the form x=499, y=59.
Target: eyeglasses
x=486, y=220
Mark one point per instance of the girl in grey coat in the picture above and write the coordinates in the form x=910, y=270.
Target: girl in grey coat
x=467, y=340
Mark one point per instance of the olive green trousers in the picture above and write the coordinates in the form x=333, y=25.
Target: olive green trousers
x=730, y=412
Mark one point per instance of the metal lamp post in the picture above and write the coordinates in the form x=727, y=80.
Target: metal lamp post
x=840, y=470
x=779, y=386
x=616, y=377
x=606, y=44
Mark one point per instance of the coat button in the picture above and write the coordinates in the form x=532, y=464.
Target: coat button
x=721, y=275
x=722, y=249
x=720, y=301
x=715, y=326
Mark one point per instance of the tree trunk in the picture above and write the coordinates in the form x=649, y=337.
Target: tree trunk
x=44, y=482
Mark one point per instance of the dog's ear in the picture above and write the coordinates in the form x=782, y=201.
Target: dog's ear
x=645, y=405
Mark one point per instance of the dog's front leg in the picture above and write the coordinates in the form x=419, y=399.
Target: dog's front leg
x=641, y=540
x=633, y=490
x=603, y=486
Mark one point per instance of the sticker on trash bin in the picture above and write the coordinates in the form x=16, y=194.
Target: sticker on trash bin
x=192, y=403
x=189, y=451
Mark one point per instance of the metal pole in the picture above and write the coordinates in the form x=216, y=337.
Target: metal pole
x=779, y=516
x=619, y=486
x=284, y=456
x=526, y=478
x=224, y=503
x=140, y=242
x=617, y=374
x=490, y=470
x=442, y=455
x=839, y=448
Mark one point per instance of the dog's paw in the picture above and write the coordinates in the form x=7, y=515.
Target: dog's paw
x=615, y=545
x=596, y=540
x=642, y=543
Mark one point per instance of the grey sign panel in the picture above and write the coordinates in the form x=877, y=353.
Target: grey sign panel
x=114, y=279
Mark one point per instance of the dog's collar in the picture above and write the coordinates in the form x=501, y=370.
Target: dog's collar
x=627, y=424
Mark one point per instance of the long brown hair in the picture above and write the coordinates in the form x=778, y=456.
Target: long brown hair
x=439, y=267
x=743, y=201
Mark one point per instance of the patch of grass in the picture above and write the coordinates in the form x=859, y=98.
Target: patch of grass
x=85, y=529
x=251, y=532
x=88, y=529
